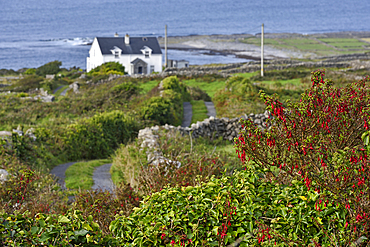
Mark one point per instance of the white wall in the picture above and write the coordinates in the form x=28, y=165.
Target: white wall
x=96, y=59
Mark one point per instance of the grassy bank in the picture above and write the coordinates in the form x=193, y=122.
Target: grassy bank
x=80, y=174
x=199, y=111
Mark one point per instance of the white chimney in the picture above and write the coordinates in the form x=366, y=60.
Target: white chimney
x=127, y=39
x=116, y=35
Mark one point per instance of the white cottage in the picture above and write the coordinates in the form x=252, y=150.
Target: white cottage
x=139, y=55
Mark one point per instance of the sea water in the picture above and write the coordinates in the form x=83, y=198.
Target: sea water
x=35, y=32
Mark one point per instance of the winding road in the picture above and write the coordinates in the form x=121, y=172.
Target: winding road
x=102, y=177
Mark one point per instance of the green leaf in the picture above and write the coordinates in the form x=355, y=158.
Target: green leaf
x=34, y=230
x=63, y=219
x=215, y=230
x=42, y=223
x=87, y=226
x=250, y=226
x=44, y=237
x=81, y=232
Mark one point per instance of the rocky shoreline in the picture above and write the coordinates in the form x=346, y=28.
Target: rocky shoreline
x=233, y=45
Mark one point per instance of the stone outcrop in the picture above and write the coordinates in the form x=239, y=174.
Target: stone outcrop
x=43, y=96
x=213, y=127
x=3, y=175
x=45, y=99
x=7, y=135
x=75, y=87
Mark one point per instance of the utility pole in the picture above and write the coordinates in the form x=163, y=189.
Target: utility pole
x=165, y=48
x=262, y=50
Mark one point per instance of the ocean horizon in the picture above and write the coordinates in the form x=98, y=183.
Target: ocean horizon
x=37, y=32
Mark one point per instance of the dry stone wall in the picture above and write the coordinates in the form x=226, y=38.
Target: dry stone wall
x=226, y=128
x=350, y=62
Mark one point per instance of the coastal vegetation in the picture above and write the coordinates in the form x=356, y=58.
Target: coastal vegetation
x=108, y=68
x=316, y=45
x=304, y=182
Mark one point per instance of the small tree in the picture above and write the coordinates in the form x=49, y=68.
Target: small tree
x=49, y=69
x=108, y=68
x=318, y=140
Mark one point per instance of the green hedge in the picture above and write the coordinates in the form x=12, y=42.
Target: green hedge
x=87, y=139
x=99, y=136
x=108, y=68
x=52, y=230
x=223, y=210
x=167, y=108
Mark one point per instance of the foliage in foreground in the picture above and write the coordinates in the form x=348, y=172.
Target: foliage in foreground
x=218, y=212
x=246, y=206
x=318, y=141
x=71, y=229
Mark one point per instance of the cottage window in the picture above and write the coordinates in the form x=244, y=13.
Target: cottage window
x=116, y=54
x=146, y=54
x=151, y=68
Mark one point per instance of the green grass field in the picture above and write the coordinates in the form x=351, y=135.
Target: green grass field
x=321, y=46
x=199, y=111
x=247, y=75
x=79, y=175
x=209, y=87
x=147, y=86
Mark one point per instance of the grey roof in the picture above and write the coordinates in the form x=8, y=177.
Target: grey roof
x=136, y=44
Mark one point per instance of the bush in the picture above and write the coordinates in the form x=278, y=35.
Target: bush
x=4, y=72
x=220, y=211
x=97, y=137
x=160, y=110
x=30, y=72
x=173, y=83
x=318, y=141
x=105, y=206
x=26, y=189
x=126, y=90
x=108, y=68
x=22, y=95
x=241, y=96
x=198, y=94
x=167, y=108
x=27, y=83
x=241, y=85
x=51, y=68
x=70, y=229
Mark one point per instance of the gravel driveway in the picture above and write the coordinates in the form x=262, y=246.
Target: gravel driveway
x=188, y=114
x=210, y=108
x=102, y=178
x=60, y=173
